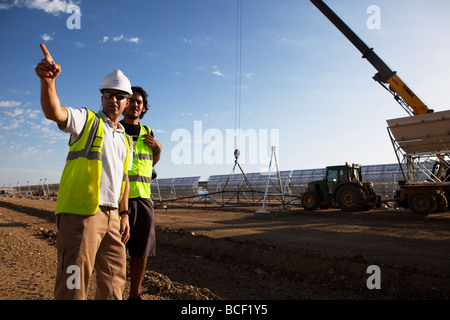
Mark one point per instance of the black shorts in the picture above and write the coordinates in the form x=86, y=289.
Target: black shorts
x=142, y=242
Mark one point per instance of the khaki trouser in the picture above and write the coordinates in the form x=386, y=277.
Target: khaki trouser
x=85, y=243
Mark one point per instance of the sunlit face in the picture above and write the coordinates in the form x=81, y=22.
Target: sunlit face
x=135, y=107
x=113, y=106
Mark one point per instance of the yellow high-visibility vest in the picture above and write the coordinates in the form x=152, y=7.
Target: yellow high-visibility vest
x=140, y=175
x=79, y=189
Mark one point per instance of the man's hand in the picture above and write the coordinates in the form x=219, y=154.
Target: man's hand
x=150, y=141
x=124, y=228
x=47, y=69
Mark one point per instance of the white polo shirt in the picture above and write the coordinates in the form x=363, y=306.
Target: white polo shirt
x=113, y=153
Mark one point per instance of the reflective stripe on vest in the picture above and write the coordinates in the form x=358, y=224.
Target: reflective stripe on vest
x=79, y=189
x=129, y=143
x=140, y=176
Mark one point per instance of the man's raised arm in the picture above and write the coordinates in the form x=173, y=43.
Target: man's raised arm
x=47, y=71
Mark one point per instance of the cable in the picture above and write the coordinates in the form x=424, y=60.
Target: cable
x=237, y=107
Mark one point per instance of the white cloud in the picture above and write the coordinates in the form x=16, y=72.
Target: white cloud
x=46, y=121
x=134, y=39
x=203, y=41
x=15, y=113
x=14, y=124
x=217, y=72
x=25, y=153
x=121, y=38
x=34, y=114
x=54, y=7
x=46, y=37
x=10, y=103
x=22, y=116
x=5, y=6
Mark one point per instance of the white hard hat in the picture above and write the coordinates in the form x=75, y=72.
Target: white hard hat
x=116, y=80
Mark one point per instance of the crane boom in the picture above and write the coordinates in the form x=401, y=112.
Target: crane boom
x=385, y=76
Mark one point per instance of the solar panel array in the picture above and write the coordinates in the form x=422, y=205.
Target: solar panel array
x=293, y=183
x=385, y=178
x=174, y=188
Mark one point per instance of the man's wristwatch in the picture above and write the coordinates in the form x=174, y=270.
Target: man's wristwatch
x=123, y=212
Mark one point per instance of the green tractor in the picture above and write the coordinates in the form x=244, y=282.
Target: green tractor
x=343, y=186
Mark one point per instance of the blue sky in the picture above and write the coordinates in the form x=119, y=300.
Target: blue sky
x=300, y=78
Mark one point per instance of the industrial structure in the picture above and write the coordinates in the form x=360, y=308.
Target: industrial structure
x=421, y=141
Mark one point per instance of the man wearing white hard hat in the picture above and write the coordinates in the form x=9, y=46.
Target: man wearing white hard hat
x=92, y=205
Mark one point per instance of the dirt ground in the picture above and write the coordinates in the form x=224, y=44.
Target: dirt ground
x=233, y=254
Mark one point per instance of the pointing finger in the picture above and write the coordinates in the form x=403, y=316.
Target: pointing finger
x=47, y=55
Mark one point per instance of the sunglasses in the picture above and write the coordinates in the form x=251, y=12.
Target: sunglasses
x=119, y=96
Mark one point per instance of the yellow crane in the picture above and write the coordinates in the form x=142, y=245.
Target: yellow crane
x=420, y=141
x=385, y=76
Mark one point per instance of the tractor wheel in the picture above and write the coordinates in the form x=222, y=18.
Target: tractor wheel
x=350, y=198
x=422, y=202
x=310, y=200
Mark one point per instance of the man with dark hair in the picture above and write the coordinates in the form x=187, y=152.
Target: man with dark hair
x=146, y=153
